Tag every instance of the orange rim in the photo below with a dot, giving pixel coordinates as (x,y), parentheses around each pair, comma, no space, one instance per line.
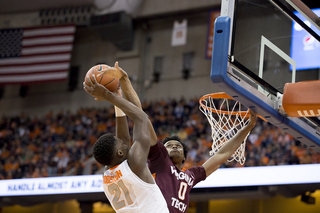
(222,95)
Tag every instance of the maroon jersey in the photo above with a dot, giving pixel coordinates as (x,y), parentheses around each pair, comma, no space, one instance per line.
(174,183)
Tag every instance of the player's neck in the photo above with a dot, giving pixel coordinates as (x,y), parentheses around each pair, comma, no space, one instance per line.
(115,163)
(179,165)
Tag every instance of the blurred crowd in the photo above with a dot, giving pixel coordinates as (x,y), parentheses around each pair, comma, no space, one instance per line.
(32,147)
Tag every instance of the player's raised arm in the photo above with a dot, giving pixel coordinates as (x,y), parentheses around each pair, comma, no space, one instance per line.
(122,130)
(138,152)
(214,162)
(129,93)
(112,84)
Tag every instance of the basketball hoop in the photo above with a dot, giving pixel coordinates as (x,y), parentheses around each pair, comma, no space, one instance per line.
(226,117)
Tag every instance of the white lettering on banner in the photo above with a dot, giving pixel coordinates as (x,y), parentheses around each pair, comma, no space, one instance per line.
(54,185)
(79,184)
(182,176)
(305,113)
(21,187)
(178,205)
(97,183)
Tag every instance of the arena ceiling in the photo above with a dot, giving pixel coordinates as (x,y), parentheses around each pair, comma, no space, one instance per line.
(20,6)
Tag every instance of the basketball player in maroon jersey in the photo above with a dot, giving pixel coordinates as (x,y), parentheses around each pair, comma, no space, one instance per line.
(166,158)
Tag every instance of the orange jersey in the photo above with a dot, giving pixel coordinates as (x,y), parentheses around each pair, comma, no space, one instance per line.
(128,193)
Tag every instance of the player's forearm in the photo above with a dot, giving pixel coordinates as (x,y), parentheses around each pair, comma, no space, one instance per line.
(233,144)
(132,111)
(129,92)
(133,97)
(213,163)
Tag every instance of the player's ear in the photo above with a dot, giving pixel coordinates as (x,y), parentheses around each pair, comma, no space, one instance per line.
(120,153)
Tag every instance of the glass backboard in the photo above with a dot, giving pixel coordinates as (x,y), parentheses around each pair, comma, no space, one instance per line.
(257,50)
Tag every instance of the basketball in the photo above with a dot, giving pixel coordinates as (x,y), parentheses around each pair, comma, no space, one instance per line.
(108,82)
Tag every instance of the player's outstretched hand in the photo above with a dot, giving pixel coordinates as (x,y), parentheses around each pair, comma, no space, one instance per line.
(95,89)
(115,71)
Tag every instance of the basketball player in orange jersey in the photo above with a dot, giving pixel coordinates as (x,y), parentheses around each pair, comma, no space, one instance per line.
(127,181)
(166,158)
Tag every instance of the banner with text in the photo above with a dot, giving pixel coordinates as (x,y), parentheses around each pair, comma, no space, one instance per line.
(223,177)
(52,185)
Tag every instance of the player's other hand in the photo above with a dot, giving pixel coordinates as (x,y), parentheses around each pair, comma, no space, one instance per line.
(119,92)
(115,71)
(253,118)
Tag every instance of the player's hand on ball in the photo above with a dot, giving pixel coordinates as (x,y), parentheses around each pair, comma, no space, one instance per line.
(115,72)
(95,89)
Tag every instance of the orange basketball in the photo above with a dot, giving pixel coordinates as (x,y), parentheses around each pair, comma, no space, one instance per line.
(109,82)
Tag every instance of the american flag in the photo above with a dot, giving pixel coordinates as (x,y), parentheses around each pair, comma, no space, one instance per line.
(39,54)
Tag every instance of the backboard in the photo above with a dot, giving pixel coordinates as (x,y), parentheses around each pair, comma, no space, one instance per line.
(261,45)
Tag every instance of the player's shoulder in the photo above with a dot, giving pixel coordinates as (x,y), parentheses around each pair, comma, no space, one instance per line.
(194,169)
(158,147)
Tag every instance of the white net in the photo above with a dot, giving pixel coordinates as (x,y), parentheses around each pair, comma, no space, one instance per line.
(226,117)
